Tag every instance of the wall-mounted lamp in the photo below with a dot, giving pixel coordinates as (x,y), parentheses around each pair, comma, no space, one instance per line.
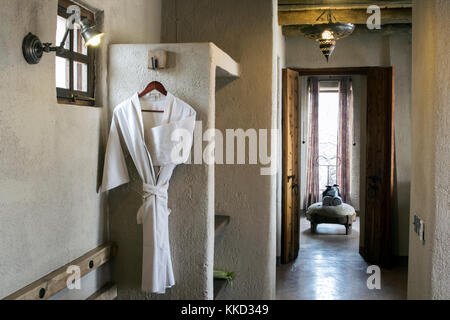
(33,49)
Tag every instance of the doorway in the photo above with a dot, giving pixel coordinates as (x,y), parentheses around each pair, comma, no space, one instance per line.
(376,177)
(376,245)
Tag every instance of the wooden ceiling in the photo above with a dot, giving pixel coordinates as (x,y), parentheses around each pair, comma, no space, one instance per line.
(292,13)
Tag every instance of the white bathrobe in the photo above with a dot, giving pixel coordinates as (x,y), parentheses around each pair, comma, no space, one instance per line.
(150,146)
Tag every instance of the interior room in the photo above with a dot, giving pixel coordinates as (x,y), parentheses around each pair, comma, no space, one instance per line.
(224,150)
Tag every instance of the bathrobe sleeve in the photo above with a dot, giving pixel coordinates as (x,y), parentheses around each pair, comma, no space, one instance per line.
(115,171)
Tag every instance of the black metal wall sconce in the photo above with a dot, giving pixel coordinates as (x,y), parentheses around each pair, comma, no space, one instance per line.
(33,49)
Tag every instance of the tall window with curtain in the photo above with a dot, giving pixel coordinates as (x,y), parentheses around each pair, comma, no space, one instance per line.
(312,177)
(330,123)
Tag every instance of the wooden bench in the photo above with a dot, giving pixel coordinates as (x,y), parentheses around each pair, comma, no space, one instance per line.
(343,214)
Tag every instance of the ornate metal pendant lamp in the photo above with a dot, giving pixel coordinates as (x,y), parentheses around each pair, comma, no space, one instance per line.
(327,33)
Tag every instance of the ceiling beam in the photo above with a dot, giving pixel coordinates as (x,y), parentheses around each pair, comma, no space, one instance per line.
(355,16)
(337,3)
(294,31)
(337,6)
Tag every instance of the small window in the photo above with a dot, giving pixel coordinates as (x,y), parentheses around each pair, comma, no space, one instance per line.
(75,67)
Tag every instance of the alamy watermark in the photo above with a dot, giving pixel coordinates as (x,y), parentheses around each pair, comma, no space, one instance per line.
(229,147)
(374,21)
(374,280)
(73,281)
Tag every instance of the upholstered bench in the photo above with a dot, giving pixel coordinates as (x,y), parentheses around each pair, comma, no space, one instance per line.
(343,214)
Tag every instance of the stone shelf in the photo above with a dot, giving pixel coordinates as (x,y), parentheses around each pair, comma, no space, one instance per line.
(219,285)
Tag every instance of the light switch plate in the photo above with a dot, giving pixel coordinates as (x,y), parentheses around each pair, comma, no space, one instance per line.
(419,227)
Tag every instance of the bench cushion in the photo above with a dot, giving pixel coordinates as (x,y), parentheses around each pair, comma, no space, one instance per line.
(342,210)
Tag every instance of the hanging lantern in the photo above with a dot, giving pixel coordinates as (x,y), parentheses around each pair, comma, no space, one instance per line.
(327,33)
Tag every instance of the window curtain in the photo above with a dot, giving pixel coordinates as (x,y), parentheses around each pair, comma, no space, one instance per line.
(312,179)
(343,148)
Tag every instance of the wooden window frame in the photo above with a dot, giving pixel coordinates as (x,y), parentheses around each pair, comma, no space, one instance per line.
(71,96)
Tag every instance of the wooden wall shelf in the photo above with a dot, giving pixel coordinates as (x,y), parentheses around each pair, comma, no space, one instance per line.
(219,285)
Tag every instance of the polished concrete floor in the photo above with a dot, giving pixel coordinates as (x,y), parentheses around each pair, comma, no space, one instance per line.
(329,267)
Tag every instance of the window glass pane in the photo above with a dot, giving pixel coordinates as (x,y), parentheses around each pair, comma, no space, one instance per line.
(78,41)
(323,178)
(328,138)
(60,30)
(80,76)
(62,73)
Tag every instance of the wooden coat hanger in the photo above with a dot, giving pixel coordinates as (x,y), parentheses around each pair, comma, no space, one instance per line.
(154,85)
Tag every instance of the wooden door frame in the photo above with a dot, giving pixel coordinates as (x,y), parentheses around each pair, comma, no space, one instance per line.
(290,218)
(379,158)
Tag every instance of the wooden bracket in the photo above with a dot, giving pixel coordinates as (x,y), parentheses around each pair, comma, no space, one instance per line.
(56,281)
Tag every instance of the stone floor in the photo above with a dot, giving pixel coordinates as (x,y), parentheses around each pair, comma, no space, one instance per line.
(329,267)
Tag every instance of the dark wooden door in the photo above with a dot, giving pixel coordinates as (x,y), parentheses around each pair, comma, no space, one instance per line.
(290,221)
(379,187)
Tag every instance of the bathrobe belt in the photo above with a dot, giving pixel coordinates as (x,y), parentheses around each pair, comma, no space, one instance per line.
(153,196)
(159,191)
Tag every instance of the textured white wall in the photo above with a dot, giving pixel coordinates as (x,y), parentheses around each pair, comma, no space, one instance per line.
(358,50)
(371,48)
(280,52)
(50,211)
(245,30)
(401,60)
(429,276)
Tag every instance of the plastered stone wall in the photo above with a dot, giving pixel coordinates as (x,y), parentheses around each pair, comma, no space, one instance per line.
(280,53)
(388,47)
(190,76)
(429,263)
(50,154)
(244,30)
